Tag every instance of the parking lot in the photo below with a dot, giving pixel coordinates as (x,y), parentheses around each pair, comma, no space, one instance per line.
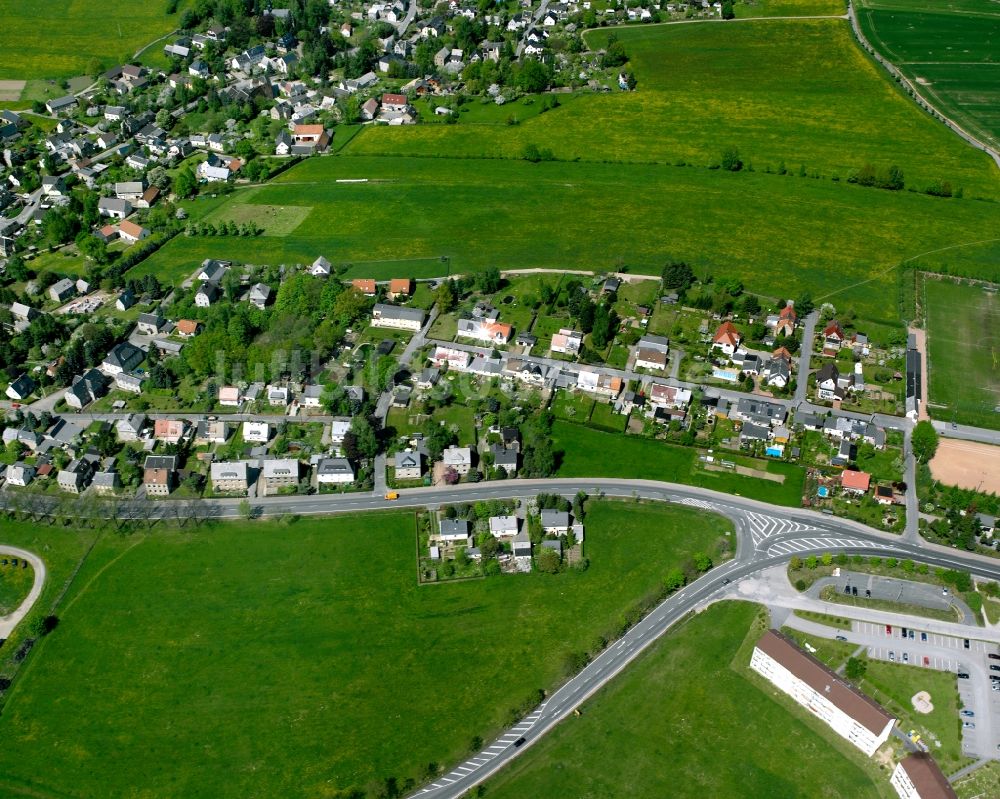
(946,653)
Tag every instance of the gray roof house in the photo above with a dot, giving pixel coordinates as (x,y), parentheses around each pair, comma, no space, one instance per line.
(555,521)
(453,530)
(398,317)
(20,388)
(260,295)
(123,357)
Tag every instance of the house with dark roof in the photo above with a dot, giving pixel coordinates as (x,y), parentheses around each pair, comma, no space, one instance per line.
(918,776)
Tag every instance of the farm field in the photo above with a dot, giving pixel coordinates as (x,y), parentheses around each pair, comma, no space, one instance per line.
(963,343)
(788,8)
(704,87)
(778,234)
(61,38)
(593,453)
(302,658)
(666,728)
(949,48)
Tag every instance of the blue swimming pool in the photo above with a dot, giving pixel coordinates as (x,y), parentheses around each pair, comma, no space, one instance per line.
(823,491)
(775,452)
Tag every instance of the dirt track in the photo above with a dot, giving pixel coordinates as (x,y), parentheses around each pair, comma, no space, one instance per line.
(967,464)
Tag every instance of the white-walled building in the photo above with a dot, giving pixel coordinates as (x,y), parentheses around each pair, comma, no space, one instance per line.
(850,713)
(256,432)
(918,777)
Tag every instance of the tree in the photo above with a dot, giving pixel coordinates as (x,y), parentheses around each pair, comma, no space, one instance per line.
(731,159)
(702,562)
(447,296)
(488,281)
(727,10)
(185,184)
(924,440)
(855,669)
(365,439)
(674,580)
(804,304)
(678,276)
(547,561)
(246,509)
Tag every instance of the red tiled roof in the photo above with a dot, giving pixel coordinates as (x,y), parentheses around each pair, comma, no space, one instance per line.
(308,130)
(365,285)
(727,334)
(858,481)
(130,228)
(400,285)
(394,99)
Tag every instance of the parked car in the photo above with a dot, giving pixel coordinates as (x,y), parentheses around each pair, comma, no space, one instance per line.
(968,713)
(906,657)
(888,629)
(968,725)
(902,632)
(912,634)
(966,644)
(892,657)
(993,656)
(841,637)
(923,636)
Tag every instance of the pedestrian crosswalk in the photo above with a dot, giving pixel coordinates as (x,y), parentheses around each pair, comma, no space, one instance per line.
(488,754)
(763,527)
(820,544)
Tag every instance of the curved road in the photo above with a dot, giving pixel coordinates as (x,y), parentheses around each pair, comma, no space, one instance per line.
(8,623)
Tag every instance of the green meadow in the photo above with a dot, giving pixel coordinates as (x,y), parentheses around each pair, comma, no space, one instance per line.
(950,48)
(62,38)
(963,344)
(301,659)
(778,234)
(688,720)
(704,87)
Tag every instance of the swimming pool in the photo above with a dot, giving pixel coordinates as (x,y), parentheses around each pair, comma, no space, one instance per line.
(823,491)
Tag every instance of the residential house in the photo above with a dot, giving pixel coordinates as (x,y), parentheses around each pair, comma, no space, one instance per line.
(555,522)
(207,294)
(131,232)
(187,328)
(278,395)
(601,383)
(216,169)
(727,338)
(230,396)
(651,353)
(370,109)
(855,482)
(783,323)
(149,324)
(408,465)
(756,411)
(504,458)
(884,495)
(256,432)
(22,312)
(20,474)
(504,526)
(312,396)
(397,317)
(521,545)
(131,427)
(662,396)
(86,388)
(455,531)
(76,477)
(129,382)
(62,290)
(365,285)
(848,712)
(21,388)
(209,432)
(260,295)
(320,267)
(453,358)
(283,143)
(428,378)
(107,480)
(159,474)
(399,287)
(213,271)
(316,136)
(918,776)
(61,105)
(125,300)
(833,337)
(457,458)
(229,477)
(169,431)
(114,208)
(567,342)
(776,372)
(334,471)
(485,330)
(130,190)
(279,474)
(123,357)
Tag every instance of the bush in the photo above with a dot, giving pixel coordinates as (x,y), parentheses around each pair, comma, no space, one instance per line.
(800,585)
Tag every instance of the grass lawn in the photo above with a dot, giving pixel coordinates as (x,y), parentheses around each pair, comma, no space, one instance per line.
(60,38)
(842,243)
(276,220)
(949,50)
(725,85)
(603,415)
(679,723)
(574,406)
(593,453)
(297,659)
(983,782)
(787,8)
(15,582)
(892,685)
(824,618)
(963,343)
(832,652)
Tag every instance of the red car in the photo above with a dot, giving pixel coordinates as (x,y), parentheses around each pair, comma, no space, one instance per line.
(888,629)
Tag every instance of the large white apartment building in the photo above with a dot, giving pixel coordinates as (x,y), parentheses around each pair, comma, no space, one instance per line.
(918,777)
(850,713)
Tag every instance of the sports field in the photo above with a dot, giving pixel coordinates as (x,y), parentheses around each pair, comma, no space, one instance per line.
(949,48)
(703,87)
(62,38)
(686,722)
(963,342)
(298,660)
(778,234)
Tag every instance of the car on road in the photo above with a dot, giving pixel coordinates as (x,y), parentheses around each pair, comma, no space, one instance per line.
(993,656)
(944,592)
(968,725)
(963,675)
(967,713)
(923,636)
(966,643)
(841,637)
(892,657)
(518,742)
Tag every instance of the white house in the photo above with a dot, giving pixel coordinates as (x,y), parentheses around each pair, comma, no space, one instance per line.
(230,396)
(20,474)
(503,526)
(277,395)
(847,711)
(397,317)
(556,522)
(229,477)
(453,530)
(256,432)
(457,458)
(567,342)
(919,777)
(408,465)
(334,471)
(454,358)
(320,267)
